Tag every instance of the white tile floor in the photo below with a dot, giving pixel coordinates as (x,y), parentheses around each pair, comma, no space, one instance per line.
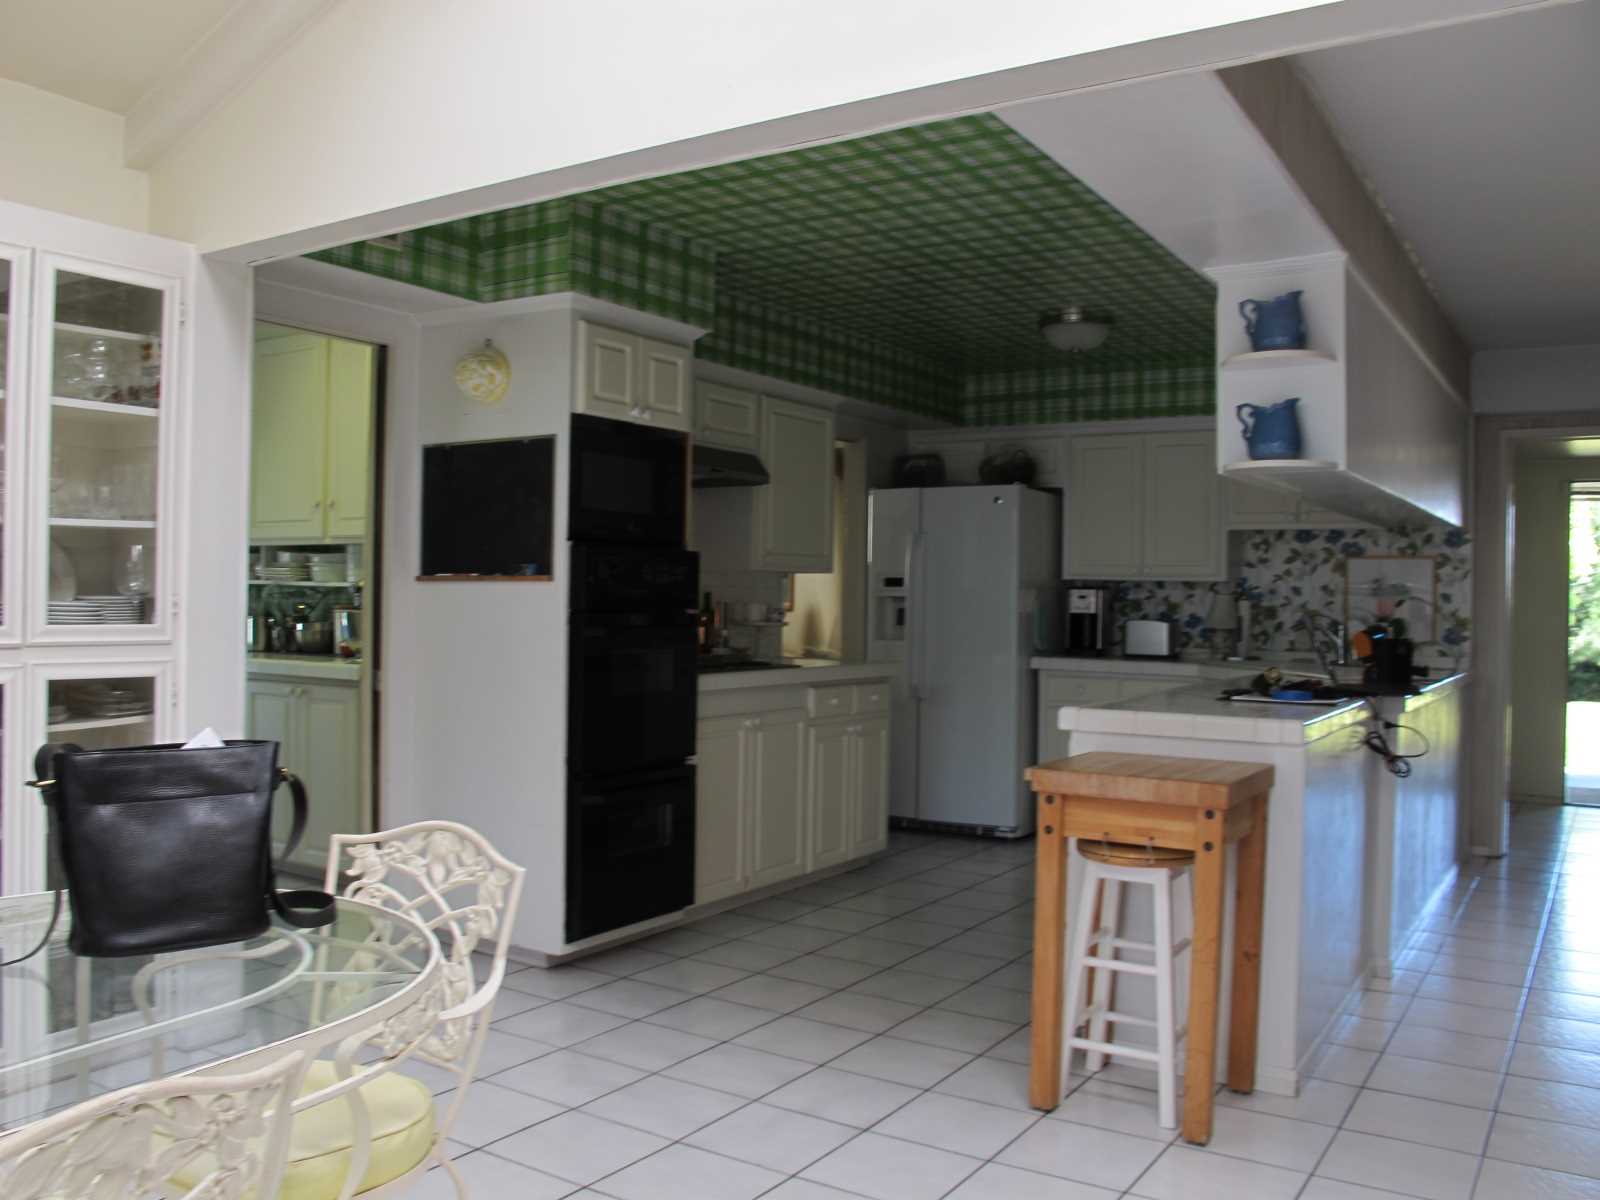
(866,1037)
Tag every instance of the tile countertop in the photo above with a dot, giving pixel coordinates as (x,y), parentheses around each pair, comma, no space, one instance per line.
(1197,712)
(306,666)
(1190,668)
(812,672)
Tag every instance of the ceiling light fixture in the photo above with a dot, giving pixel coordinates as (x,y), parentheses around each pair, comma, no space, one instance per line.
(1071,329)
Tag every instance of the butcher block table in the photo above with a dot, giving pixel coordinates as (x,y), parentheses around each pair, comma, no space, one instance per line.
(1196,804)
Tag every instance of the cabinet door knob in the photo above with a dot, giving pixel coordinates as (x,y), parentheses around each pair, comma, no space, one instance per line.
(332,503)
(751,722)
(315,505)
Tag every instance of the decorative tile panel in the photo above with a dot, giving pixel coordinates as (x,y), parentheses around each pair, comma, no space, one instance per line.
(1286,570)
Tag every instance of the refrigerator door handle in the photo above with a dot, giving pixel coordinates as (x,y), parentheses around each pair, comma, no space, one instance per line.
(914,599)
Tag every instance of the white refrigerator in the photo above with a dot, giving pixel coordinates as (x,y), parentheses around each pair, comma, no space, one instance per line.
(964,587)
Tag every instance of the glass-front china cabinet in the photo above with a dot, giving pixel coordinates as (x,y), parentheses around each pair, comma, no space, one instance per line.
(89,373)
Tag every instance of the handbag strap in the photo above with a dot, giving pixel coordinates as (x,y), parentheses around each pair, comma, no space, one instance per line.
(304,908)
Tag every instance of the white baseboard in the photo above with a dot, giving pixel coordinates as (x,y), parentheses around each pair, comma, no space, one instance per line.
(1317,1043)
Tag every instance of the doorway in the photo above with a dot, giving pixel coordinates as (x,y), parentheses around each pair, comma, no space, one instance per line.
(1582,760)
(312,645)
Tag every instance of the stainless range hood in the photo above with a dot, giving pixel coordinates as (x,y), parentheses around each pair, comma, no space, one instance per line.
(717,467)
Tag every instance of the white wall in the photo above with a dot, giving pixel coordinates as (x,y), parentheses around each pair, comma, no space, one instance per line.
(1542,379)
(489,660)
(67,157)
(387,103)
(216,499)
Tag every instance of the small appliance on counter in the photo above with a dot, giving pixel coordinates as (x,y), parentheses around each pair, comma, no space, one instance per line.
(347,632)
(1089,615)
(1149,639)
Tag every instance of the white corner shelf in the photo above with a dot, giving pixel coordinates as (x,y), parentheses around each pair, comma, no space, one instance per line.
(95,331)
(97,523)
(1266,360)
(99,723)
(1280,466)
(98,409)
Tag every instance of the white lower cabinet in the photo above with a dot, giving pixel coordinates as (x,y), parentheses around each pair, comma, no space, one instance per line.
(828,751)
(777,801)
(779,794)
(318,728)
(720,802)
(750,814)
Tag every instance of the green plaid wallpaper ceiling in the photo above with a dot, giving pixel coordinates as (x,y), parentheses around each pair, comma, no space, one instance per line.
(907,268)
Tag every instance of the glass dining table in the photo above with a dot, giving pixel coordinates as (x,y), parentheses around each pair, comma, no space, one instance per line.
(73,1027)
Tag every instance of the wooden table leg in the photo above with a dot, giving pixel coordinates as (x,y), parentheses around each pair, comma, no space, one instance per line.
(1049,937)
(1245,1004)
(1200,1064)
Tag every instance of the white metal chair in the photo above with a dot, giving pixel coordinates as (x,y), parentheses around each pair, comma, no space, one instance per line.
(1096,952)
(230,1132)
(377,1126)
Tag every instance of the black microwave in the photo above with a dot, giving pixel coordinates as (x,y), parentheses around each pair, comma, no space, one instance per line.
(629,483)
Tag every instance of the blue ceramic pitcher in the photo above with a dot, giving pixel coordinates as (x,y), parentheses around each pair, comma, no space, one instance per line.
(1271,430)
(1274,324)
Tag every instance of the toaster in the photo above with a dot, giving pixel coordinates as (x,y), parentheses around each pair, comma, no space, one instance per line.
(1149,639)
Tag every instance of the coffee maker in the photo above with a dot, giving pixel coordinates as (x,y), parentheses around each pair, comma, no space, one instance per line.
(1089,620)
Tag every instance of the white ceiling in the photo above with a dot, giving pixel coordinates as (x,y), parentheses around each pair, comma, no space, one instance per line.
(107,53)
(1483,140)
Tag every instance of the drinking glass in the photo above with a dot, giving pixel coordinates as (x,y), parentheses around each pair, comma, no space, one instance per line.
(133,571)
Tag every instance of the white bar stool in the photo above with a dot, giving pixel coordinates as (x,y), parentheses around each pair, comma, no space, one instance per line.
(1093,951)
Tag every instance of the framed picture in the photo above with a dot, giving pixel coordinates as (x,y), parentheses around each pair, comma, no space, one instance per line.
(1380,586)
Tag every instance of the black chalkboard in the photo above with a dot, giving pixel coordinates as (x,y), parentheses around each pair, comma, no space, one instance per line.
(487,507)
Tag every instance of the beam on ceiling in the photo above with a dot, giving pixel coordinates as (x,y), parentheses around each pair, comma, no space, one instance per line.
(226,59)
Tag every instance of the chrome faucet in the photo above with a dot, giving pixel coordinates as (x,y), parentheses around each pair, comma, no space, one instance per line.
(1335,630)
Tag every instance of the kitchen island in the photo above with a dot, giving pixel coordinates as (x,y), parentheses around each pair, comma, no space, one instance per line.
(1346,841)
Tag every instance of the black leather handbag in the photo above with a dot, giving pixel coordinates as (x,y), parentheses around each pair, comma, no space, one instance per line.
(167,849)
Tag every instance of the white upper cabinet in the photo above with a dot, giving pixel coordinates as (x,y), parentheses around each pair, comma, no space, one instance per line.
(1143,506)
(632,378)
(1105,497)
(350,415)
(1182,525)
(311,438)
(1252,507)
(727,416)
(794,512)
(102,400)
(288,443)
(14,261)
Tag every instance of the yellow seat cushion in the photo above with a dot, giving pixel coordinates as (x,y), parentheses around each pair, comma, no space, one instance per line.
(322,1137)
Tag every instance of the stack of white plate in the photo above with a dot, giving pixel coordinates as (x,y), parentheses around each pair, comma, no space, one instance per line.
(327,568)
(119,610)
(82,611)
(285,572)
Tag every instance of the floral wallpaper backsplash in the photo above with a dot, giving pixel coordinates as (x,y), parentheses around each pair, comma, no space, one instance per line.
(1286,570)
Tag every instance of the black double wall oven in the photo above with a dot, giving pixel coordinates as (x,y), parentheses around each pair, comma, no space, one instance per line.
(631,672)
